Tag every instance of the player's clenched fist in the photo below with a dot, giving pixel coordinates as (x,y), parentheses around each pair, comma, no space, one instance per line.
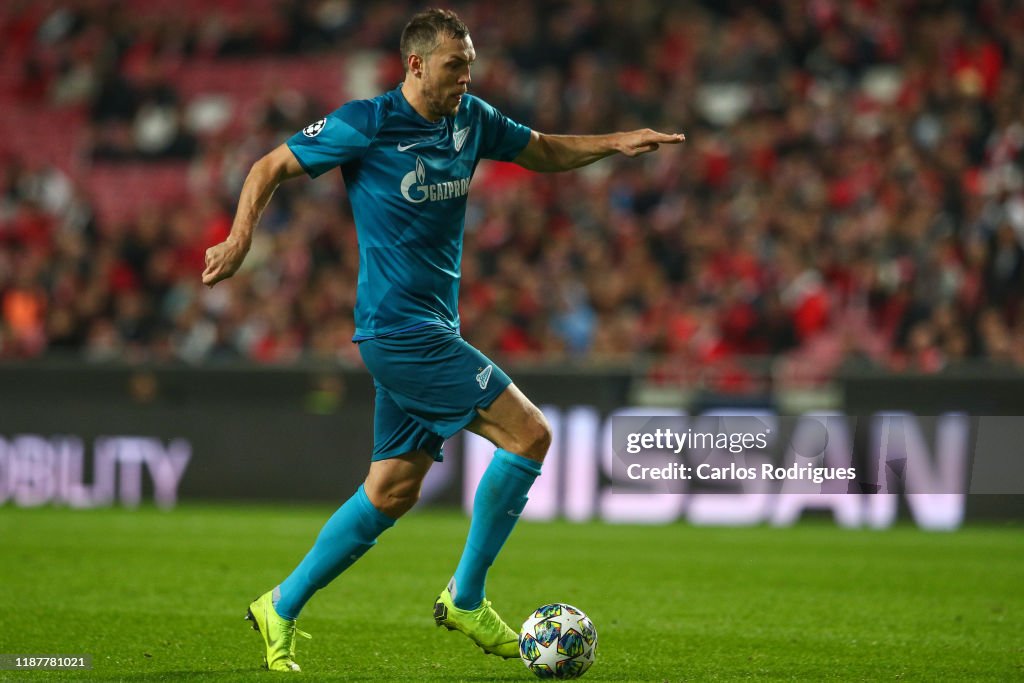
(222,260)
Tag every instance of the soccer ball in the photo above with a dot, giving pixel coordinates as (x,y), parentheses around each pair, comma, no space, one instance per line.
(558,641)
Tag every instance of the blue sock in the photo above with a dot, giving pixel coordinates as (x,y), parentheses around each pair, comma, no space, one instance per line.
(500,498)
(349,533)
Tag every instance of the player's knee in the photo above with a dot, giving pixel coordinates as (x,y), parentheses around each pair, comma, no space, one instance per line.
(536,438)
(395,499)
(398,505)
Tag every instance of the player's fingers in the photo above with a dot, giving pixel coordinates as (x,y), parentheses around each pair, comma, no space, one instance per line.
(210,274)
(645,148)
(670,138)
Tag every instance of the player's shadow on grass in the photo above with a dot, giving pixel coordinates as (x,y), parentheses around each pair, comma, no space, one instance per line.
(240,674)
(249,674)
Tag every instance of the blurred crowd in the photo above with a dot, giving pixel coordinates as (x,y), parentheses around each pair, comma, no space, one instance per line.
(851,190)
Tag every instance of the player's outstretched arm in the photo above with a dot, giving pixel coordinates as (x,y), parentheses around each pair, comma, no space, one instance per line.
(222,260)
(549,153)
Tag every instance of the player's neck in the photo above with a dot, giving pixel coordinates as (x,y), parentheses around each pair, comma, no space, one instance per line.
(416,100)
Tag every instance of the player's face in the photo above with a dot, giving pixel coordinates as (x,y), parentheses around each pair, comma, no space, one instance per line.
(446,75)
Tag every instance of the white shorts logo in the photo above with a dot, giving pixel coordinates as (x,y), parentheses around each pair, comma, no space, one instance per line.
(313,129)
(484,377)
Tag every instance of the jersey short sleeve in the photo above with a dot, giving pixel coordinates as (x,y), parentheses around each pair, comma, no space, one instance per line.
(503,139)
(337,139)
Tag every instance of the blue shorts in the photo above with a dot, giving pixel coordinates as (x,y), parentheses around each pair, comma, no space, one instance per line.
(429,384)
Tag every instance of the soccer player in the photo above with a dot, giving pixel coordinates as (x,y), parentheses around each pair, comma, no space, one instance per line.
(407,158)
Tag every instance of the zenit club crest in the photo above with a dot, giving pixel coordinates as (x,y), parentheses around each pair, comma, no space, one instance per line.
(484,377)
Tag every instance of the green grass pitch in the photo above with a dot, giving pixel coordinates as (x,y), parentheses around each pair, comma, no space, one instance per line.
(157,595)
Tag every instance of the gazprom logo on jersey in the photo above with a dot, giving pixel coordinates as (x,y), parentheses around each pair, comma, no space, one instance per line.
(415,188)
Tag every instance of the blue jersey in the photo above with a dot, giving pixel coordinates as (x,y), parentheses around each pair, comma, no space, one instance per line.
(407,181)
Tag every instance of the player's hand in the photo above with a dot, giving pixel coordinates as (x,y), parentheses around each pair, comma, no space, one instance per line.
(637,142)
(224,259)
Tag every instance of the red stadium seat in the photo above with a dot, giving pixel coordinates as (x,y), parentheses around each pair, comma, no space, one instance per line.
(120,191)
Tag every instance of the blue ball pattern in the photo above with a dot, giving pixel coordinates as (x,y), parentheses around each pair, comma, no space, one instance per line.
(558,641)
(547,632)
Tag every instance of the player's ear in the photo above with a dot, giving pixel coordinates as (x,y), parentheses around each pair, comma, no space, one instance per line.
(415,65)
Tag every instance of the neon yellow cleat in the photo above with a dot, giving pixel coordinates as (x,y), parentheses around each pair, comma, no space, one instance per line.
(483,626)
(278,634)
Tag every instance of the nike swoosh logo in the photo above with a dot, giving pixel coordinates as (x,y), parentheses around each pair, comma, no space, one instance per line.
(271,642)
(513,513)
(402,148)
